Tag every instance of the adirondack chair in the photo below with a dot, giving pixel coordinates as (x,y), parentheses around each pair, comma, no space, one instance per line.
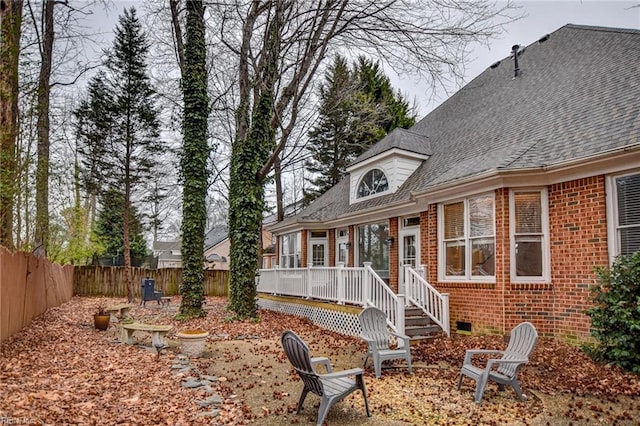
(503,370)
(331,387)
(376,333)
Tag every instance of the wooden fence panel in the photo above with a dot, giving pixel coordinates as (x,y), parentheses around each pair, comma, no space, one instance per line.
(29,285)
(109,281)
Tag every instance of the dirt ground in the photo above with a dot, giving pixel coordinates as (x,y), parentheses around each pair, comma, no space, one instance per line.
(60,370)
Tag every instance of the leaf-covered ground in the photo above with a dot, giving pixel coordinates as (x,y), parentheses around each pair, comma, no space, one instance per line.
(60,370)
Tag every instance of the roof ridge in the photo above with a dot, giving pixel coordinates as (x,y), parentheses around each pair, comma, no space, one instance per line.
(604,29)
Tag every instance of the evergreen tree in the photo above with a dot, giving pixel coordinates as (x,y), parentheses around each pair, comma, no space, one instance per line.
(358,108)
(329,139)
(109,226)
(121,125)
(194,162)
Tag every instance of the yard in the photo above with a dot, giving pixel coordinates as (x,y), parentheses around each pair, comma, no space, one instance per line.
(60,370)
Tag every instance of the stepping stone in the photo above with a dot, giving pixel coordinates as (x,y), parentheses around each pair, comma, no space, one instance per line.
(191,383)
(211,400)
(212,413)
(210,378)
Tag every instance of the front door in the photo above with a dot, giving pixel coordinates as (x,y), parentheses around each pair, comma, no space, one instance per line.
(409,252)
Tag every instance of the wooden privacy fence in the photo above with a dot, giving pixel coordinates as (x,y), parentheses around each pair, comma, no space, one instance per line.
(29,285)
(109,281)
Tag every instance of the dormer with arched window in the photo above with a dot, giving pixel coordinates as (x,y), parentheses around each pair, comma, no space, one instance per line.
(386,166)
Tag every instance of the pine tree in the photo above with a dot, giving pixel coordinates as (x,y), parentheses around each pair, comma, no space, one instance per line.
(108,229)
(358,108)
(122,130)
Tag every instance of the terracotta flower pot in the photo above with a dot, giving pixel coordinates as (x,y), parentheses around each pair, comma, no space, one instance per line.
(101,322)
(193,341)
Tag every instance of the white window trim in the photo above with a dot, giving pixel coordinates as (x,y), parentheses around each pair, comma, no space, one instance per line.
(341,240)
(377,194)
(613,242)
(546,254)
(318,240)
(468,253)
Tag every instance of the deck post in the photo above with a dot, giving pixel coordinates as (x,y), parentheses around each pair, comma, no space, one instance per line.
(366,284)
(276,273)
(400,318)
(309,278)
(340,283)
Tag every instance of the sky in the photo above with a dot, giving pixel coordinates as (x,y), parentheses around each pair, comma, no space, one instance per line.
(542,17)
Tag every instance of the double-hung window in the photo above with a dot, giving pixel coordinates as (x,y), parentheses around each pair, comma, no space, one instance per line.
(624,211)
(290,246)
(529,235)
(468,238)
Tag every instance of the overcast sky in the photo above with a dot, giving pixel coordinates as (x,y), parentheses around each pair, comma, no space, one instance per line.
(543,17)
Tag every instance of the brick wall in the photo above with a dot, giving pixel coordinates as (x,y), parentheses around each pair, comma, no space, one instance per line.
(578,242)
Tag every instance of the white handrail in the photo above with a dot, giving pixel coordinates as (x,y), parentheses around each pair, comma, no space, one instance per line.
(381,296)
(425,296)
(354,285)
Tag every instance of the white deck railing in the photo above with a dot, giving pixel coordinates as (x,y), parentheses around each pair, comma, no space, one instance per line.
(419,292)
(352,285)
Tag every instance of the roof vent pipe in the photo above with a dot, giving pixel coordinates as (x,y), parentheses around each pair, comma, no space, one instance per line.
(516,69)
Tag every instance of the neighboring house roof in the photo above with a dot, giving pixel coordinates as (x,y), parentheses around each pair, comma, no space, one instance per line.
(577,97)
(168,250)
(215,236)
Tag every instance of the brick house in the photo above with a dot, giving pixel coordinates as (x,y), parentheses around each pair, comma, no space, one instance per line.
(508,194)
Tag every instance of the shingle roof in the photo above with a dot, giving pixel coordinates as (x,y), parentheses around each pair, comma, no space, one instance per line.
(216,235)
(399,138)
(578,95)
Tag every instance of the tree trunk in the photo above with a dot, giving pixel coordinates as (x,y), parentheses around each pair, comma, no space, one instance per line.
(42,169)
(10,30)
(195,155)
(246,190)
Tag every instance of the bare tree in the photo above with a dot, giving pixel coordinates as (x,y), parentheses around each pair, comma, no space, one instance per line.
(419,36)
(10,31)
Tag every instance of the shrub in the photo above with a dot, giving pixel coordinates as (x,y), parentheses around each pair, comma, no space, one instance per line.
(615,314)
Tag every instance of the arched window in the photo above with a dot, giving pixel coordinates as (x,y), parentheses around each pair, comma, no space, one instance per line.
(374,182)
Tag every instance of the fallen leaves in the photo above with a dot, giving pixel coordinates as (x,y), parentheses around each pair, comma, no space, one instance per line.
(59,370)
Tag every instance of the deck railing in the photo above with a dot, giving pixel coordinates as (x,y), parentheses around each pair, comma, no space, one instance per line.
(343,285)
(419,292)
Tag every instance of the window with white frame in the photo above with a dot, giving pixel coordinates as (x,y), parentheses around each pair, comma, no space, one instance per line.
(373,246)
(290,246)
(468,238)
(529,235)
(626,214)
(373,182)
(342,246)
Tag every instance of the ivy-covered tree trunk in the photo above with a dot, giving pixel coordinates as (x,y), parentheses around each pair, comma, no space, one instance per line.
(11,18)
(246,189)
(195,153)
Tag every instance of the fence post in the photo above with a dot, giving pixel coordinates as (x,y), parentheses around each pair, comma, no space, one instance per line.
(340,282)
(276,279)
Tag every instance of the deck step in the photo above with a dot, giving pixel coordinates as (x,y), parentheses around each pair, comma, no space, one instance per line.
(418,325)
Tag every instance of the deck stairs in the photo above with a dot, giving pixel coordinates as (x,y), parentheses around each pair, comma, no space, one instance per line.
(418,326)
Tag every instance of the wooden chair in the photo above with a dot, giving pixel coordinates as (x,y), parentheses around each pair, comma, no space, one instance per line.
(331,387)
(376,333)
(503,370)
